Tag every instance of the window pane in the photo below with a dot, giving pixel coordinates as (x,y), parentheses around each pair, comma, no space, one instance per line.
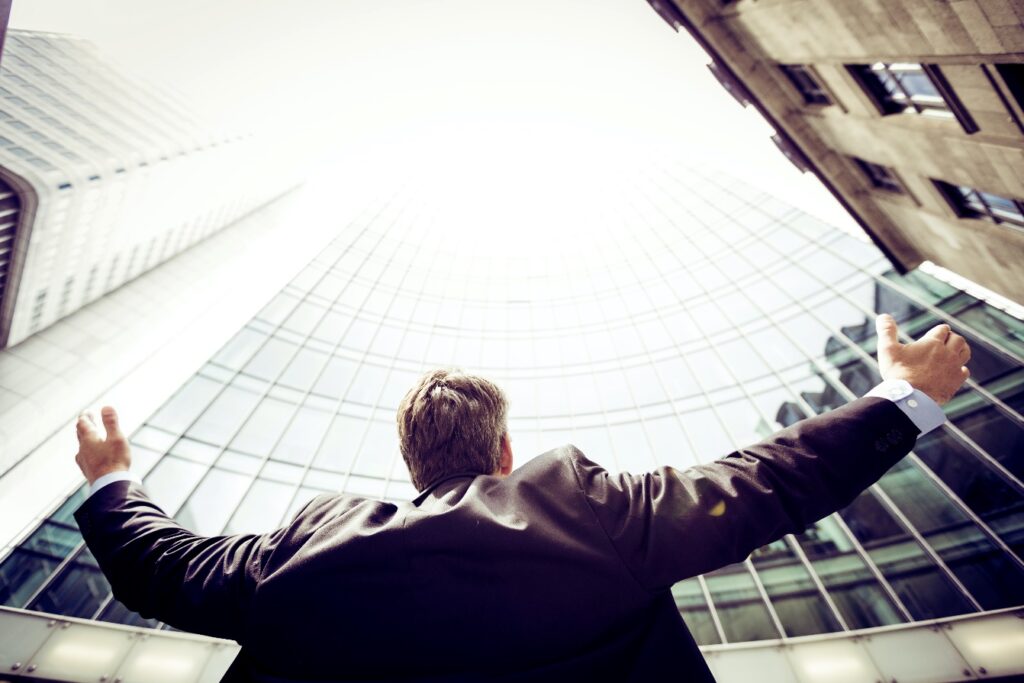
(694,608)
(923,588)
(208,509)
(857,594)
(299,443)
(179,412)
(224,416)
(262,509)
(740,608)
(25,569)
(304,369)
(980,488)
(341,443)
(264,427)
(271,359)
(171,480)
(78,591)
(987,573)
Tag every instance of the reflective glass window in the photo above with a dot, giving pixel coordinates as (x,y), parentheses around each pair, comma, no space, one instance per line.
(921,585)
(186,405)
(77,591)
(262,509)
(694,608)
(799,605)
(858,595)
(299,443)
(208,508)
(27,567)
(991,577)
(741,610)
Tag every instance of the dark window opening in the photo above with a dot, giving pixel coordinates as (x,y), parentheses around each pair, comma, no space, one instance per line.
(969,202)
(882,177)
(1013,77)
(913,88)
(804,81)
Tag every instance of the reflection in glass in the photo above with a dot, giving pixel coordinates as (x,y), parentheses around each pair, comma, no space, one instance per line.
(690,601)
(743,614)
(77,591)
(925,590)
(845,575)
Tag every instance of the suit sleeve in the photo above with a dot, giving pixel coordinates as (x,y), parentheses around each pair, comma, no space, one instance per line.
(163,571)
(671,524)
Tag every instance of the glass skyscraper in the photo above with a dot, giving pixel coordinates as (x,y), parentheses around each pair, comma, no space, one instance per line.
(675,317)
(103,177)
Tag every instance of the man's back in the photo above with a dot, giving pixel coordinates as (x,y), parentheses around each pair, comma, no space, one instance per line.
(481,575)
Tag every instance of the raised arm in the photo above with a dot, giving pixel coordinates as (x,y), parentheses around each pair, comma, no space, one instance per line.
(668,525)
(156,567)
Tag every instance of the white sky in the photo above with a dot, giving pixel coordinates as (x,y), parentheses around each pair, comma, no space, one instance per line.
(354,77)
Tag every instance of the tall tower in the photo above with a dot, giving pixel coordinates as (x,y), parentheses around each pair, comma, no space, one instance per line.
(102,177)
(666,317)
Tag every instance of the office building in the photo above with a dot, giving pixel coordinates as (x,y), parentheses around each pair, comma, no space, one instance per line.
(103,176)
(670,318)
(910,111)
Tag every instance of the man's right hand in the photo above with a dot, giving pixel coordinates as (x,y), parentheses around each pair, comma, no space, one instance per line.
(934,364)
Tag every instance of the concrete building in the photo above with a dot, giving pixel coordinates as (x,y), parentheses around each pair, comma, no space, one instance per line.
(102,177)
(680,316)
(910,111)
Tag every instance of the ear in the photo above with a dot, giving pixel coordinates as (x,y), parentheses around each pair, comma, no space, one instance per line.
(505,463)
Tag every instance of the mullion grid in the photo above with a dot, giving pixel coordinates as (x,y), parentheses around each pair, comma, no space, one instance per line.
(80,547)
(789,539)
(773,616)
(908,99)
(979,452)
(982,455)
(977,337)
(641,419)
(397,461)
(375,407)
(951,495)
(850,537)
(973,196)
(875,488)
(746,563)
(269,386)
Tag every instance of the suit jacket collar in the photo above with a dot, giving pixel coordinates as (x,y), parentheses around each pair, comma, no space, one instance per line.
(418,500)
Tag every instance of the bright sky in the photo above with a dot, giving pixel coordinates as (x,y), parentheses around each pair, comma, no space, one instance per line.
(518,82)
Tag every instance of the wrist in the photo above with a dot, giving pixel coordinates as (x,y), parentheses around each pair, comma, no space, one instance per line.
(93,475)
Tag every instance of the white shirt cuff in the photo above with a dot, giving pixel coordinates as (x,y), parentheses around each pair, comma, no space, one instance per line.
(110,478)
(918,406)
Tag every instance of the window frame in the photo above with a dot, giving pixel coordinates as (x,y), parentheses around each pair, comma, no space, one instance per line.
(818,96)
(969,202)
(948,104)
(880,176)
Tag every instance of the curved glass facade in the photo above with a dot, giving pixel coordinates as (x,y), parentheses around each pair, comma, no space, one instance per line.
(677,318)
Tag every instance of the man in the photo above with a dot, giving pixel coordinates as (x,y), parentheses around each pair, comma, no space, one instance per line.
(555,571)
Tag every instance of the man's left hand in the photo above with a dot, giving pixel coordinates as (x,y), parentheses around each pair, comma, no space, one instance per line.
(98,454)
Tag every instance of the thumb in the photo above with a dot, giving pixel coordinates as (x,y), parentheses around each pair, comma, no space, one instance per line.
(888,336)
(110,423)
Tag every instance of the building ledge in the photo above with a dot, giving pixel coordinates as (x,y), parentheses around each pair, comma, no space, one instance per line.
(983,646)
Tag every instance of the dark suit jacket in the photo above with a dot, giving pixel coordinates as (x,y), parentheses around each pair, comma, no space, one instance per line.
(560,571)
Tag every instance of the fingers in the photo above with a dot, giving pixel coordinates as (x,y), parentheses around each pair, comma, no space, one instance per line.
(965,373)
(86,427)
(110,423)
(938,333)
(888,334)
